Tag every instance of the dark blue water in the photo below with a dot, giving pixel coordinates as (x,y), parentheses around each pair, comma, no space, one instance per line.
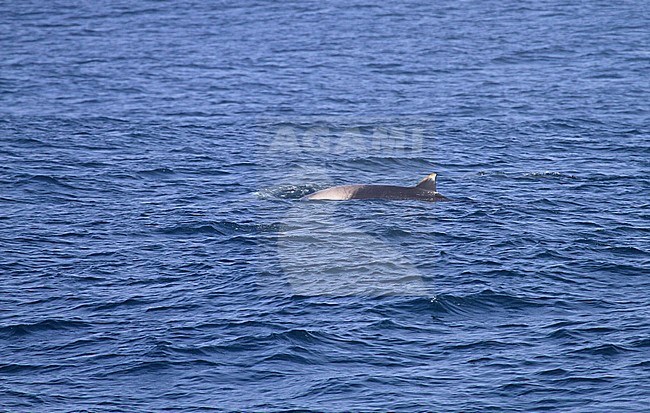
(155,256)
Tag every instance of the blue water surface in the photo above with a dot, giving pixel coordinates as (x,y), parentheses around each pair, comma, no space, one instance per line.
(155,254)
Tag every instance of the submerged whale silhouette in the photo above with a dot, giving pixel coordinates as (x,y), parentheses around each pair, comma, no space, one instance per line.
(423,191)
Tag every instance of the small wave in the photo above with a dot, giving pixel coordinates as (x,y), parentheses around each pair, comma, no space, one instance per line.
(548,175)
(597,177)
(32,142)
(628,251)
(157,172)
(528,176)
(483,344)
(250,228)
(604,350)
(585,380)
(481,302)
(46,179)
(291,357)
(299,336)
(490,173)
(296,338)
(220,228)
(562,333)
(22,329)
(142,367)
(172,307)
(25,395)
(553,372)
(642,343)
(20,368)
(193,230)
(400,160)
(120,303)
(6,152)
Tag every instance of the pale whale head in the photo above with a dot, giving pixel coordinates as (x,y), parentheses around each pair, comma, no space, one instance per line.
(425,190)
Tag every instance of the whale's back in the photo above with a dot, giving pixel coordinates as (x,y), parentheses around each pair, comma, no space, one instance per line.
(345,192)
(425,190)
(336,193)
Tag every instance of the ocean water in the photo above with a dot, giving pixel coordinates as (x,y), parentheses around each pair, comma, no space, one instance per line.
(155,254)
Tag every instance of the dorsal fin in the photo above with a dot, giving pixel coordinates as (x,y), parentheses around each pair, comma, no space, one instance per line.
(428,183)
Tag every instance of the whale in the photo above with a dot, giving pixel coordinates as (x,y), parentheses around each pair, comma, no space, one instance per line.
(425,190)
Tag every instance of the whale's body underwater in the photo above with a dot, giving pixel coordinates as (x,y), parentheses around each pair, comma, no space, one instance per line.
(423,191)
